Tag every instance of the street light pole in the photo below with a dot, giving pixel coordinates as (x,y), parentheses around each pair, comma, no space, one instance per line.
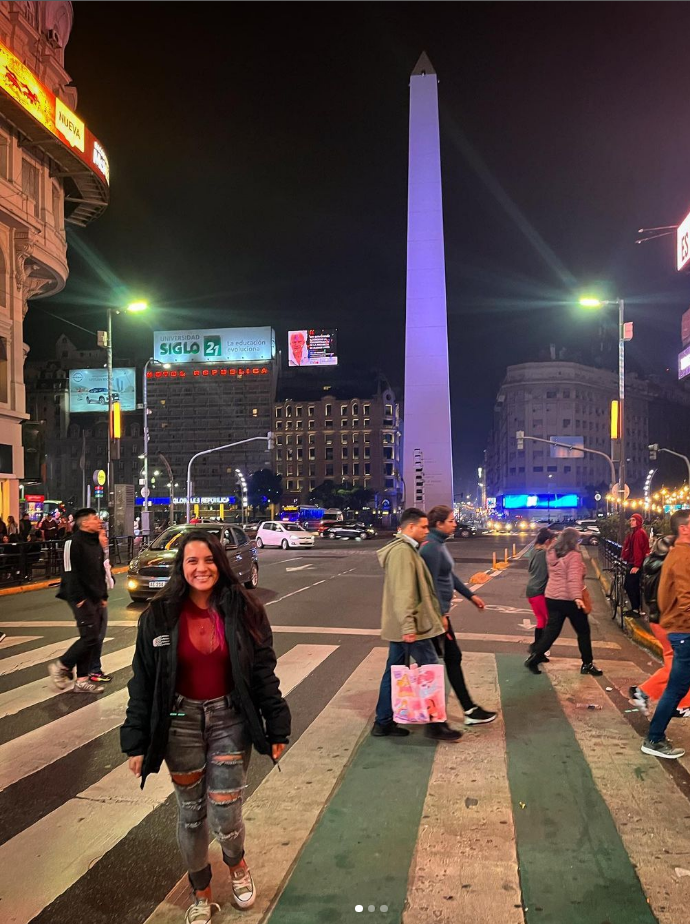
(621,417)
(172,488)
(205,452)
(145,516)
(678,455)
(111,486)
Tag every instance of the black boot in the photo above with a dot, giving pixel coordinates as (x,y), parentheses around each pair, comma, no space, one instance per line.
(532,664)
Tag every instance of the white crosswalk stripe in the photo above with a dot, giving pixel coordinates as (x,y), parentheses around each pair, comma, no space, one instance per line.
(13,640)
(87,826)
(36,656)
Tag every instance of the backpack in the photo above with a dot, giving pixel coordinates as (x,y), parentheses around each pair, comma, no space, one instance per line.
(651,575)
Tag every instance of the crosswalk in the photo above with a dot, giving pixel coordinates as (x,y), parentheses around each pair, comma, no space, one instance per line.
(429,833)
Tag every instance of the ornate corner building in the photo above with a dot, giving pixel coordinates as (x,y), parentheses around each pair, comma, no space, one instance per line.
(52,171)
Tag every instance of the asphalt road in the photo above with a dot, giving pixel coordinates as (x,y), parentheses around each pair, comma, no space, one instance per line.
(67,801)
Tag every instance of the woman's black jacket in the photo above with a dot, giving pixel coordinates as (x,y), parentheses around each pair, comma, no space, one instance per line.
(256,692)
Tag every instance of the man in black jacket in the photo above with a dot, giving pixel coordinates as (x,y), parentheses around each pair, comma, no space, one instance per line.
(83,586)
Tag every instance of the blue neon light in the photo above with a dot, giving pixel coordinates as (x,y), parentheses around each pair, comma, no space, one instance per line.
(522,501)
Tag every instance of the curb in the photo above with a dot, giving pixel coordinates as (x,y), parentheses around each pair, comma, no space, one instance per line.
(634,629)
(643,638)
(44,585)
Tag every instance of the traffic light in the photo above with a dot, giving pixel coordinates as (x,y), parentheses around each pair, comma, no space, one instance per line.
(520,436)
(653,450)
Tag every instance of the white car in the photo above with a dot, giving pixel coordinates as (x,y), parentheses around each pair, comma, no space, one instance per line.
(283,535)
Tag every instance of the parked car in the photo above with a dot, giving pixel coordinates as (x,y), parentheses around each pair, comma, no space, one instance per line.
(151,568)
(349,530)
(283,535)
(465,530)
(591,535)
(100,396)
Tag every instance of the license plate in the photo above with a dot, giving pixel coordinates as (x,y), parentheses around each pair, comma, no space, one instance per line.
(157,583)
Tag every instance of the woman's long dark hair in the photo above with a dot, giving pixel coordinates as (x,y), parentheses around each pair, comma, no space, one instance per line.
(177,589)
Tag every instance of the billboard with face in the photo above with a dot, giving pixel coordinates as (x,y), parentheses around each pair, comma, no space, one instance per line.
(311,347)
(88,390)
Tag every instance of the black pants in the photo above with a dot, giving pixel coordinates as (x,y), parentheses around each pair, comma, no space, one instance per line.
(559,611)
(89,617)
(447,647)
(632,587)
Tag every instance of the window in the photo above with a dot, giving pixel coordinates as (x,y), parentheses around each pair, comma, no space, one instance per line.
(551,468)
(288,411)
(255,412)
(389,410)
(355,468)
(57,204)
(329,454)
(344,453)
(567,469)
(521,470)
(288,425)
(355,452)
(390,482)
(367,468)
(4,371)
(312,453)
(566,422)
(366,409)
(310,411)
(538,468)
(511,471)
(367,452)
(298,424)
(329,471)
(30,184)
(328,410)
(566,392)
(328,424)
(279,455)
(343,410)
(4,157)
(279,412)
(279,424)
(346,470)
(298,410)
(550,394)
(311,425)
(355,408)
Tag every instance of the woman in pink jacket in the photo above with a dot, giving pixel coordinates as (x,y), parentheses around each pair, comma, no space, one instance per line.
(564,601)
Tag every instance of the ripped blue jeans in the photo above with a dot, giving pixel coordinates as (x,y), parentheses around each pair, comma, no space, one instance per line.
(208,756)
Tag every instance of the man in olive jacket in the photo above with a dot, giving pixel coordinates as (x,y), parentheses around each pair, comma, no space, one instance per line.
(410,618)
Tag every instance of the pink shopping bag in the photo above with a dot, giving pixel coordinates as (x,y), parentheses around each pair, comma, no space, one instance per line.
(418,694)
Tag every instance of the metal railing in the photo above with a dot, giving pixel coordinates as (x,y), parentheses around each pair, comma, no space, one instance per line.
(611,562)
(24,562)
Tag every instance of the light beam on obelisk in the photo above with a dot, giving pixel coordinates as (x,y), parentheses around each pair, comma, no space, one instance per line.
(427,446)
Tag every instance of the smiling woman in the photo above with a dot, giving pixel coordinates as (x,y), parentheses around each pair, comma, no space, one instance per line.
(213,637)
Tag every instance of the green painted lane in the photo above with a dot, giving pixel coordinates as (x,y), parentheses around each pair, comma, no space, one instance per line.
(573,866)
(361,849)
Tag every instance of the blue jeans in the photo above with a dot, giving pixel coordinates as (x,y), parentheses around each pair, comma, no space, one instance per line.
(421,652)
(96,666)
(676,688)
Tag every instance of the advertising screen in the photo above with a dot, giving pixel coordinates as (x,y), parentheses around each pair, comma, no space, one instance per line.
(214,345)
(684,363)
(312,348)
(562,452)
(88,390)
(551,501)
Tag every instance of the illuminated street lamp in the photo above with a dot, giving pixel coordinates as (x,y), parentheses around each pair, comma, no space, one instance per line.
(595,303)
(133,307)
(146,514)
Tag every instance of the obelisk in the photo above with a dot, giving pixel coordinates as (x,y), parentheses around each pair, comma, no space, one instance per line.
(427,443)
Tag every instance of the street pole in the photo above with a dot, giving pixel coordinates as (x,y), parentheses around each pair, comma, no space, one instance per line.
(111,488)
(678,455)
(145,516)
(205,452)
(171,480)
(621,412)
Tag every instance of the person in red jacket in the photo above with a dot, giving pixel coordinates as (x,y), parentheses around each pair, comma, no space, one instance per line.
(635,550)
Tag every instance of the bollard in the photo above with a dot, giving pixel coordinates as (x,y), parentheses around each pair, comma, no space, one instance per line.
(514,550)
(494,561)
(505,557)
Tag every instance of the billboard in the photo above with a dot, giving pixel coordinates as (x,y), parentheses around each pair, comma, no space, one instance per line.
(22,85)
(214,345)
(562,452)
(549,501)
(684,363)
(683,243)
(88,390)
(685,328)
(312,348)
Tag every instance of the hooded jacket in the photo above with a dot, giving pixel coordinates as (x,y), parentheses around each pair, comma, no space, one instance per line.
(635,547)
(410,605)
(440,564)
(256,692)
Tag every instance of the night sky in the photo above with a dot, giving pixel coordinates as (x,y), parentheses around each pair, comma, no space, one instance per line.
(258,156)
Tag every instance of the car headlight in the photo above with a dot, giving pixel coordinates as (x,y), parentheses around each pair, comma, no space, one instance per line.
(134,566)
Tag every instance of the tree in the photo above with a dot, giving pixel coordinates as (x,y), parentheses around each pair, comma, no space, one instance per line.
(341,495)
(327,494)
(264,487)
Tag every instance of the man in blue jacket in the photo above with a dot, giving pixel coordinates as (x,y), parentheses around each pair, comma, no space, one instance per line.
(440,563)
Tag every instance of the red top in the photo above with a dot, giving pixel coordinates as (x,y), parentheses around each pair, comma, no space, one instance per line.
(635,548)
(203,660)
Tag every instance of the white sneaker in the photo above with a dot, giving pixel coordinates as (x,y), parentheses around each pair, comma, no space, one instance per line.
(201,911)
(242,886)
(61,677)
(86,686)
